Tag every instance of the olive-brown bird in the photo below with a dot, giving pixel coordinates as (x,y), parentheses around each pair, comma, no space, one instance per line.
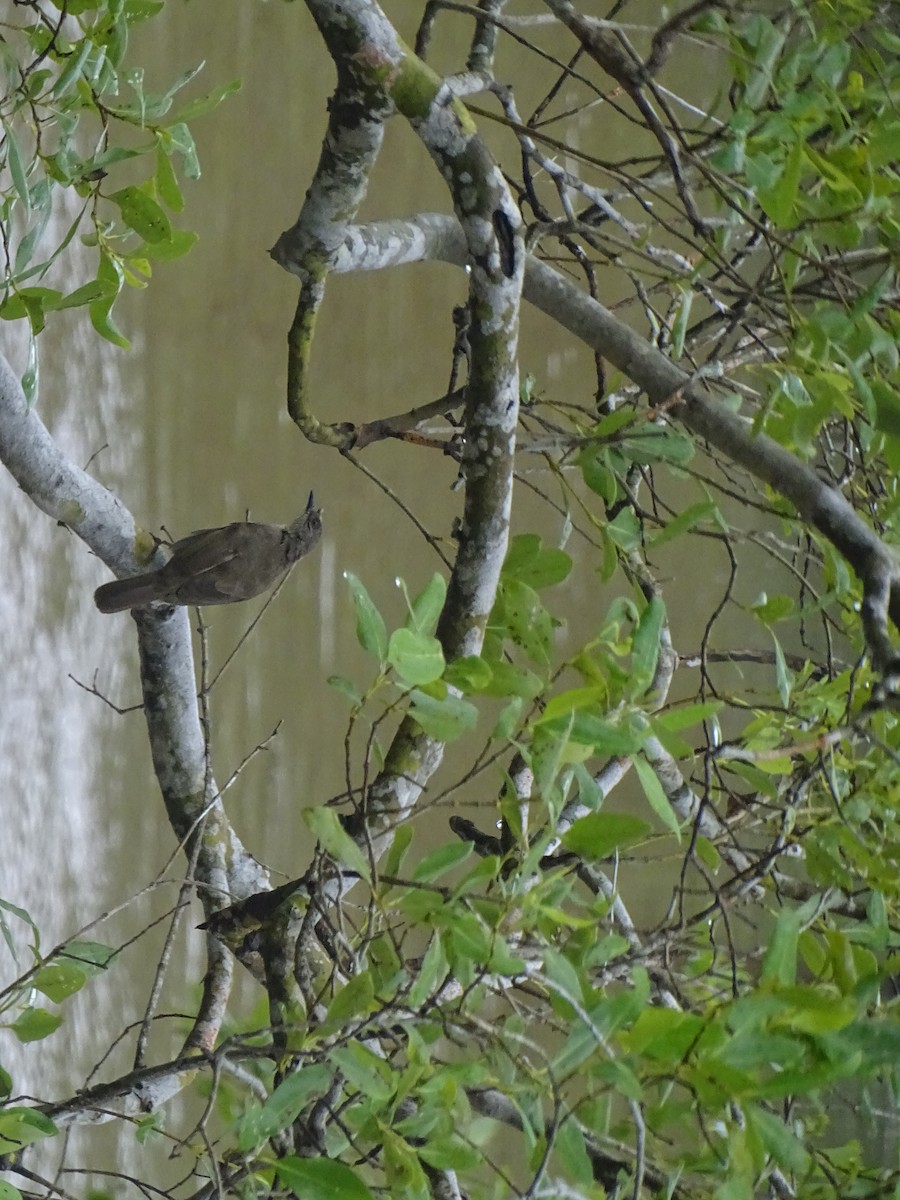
(219,566)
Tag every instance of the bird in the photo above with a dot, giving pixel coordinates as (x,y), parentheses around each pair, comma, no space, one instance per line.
(219,566)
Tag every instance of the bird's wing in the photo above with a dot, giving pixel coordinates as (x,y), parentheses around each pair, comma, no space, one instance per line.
(205,549)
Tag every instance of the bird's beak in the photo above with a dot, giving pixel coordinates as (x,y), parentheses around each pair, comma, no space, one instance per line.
(310,504)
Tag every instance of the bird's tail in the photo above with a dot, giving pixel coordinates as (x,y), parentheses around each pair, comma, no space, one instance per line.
(127,593)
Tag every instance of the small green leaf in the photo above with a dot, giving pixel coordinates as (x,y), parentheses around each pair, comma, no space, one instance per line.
(508,679)
(573,700)
(17,169)
(780,960)
(364,1070)
(430,975)
(887,408)
(439,861)
(166,181)
(57,980)
(416,657)
(34,1024)
(428,605)
(90,957)
(518,610)
(444,720)
(141,213)
(294,1092)
(657,798)
(178,245)
(345,687)
(682,716)
(72,70)
(326,826)
(682,319)
(400,841)
(182,141)
(355,999)
(625,530)
(321,1179)
(470,674)
(451,1153)
(206,104)
(784,677)
(600,834)
(645,645)
(21,1126)
(111,276)
(778,202)
(371,630)
(685,521)
(528,562)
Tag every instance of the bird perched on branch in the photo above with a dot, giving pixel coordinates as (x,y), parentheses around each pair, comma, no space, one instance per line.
(219,566)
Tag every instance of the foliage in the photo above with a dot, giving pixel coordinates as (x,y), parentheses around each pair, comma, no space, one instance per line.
(487,1018)
(73,114)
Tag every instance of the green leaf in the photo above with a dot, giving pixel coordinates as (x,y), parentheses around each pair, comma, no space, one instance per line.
(17,169)
(430,975)
(784,677)
(178,245)
(141,213)
(779,201)
(778,1140)
(770,609)
(355,999)
(657,798)
(400,840)
(205,104)
(371,630)
(326,826)
(182,141)
(21,1126)
(364,1070)
(508,719)
(284,1105)
(71,73)
(345,687)
(8,1192)
(600,834)
(574,700)
(470,674)
(645,645)
(416,657)
(57,980)
(780,961)
(111,276)
(444,720)
(508,679)
(428,605)
(94,290)
(685,521)
(625,530)
(34,1024)
(441,860)
(887,408)
(321,1179)
(683,716)
(531,564)
(519,611)
(682,319)
(572,1156)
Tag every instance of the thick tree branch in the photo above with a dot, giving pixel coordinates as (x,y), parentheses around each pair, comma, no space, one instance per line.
(75,499)
(823,507)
